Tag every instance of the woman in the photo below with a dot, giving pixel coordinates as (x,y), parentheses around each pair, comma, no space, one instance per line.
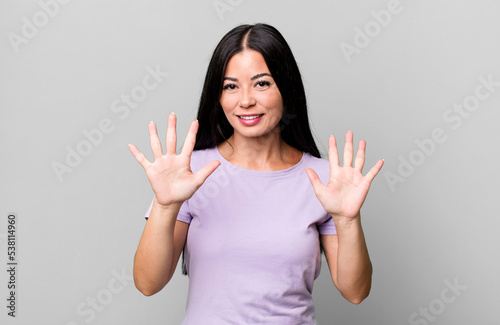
(250,222)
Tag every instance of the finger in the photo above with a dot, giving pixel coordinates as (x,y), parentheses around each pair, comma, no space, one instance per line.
(359,162)
(206,171)
(348,149)
(155,142)
(187,148)
(139,156)
(333,155)
(171,135)
(314,179)
(374,171)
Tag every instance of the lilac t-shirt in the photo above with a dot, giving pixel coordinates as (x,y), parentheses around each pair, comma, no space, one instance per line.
(252,249)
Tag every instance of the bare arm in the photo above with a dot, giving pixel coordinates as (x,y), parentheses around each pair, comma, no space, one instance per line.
(342,198)
(159,249)
(348,260)
(173,182)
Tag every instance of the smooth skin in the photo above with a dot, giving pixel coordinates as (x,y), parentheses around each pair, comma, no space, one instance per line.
(343,196)
(252,90)
(173,182)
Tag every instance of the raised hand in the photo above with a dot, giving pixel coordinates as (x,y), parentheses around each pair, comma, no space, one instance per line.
(170,175)
(347,188)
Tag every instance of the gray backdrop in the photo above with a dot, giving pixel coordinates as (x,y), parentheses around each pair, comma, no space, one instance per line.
(419,80)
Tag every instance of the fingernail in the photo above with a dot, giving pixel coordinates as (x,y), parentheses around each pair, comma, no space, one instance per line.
(172,113)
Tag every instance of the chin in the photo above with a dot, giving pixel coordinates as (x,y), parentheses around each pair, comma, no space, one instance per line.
(254,133)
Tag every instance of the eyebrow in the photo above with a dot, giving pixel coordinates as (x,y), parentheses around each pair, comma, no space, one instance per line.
(252,78)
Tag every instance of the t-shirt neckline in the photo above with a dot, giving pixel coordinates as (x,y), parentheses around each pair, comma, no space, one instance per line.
(265,173)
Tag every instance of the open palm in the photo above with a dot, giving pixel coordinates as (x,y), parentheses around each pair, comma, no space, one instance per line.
(170,175)
(347,188)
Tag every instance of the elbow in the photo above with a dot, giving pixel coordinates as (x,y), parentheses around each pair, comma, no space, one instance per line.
(144,289)
(148,283)
(146,292)
(360,292)
(357,296)
(357,300)
(147,288)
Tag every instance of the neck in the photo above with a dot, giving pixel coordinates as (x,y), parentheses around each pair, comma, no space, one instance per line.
(268,152)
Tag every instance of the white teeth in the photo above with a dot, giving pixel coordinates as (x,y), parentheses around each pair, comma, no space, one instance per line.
(249,117)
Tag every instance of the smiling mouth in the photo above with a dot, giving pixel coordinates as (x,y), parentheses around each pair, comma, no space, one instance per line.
(249,117)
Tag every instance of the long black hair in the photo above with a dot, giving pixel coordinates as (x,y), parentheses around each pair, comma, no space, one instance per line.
(214,127)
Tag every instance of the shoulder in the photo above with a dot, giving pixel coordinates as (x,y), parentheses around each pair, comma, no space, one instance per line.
(320,165)
(200,158)
(202,153)
(314,162)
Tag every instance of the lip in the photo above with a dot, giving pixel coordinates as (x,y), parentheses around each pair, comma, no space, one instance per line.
(250,122)
(249,114)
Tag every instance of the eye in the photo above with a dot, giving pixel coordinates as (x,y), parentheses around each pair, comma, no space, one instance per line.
(263,83)
(229,87)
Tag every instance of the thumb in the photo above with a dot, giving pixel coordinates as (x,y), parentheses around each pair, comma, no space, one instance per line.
(206,171)
(314,179)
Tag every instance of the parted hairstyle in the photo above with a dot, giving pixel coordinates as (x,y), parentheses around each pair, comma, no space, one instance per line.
(214,127)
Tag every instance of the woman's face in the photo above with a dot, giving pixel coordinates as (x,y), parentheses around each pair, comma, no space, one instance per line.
(250,98)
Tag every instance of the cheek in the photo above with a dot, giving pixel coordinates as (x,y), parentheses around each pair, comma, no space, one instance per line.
(228,103)
(275,103)
(270,100)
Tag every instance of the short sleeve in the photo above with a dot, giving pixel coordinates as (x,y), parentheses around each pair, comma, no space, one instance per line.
(149,210)
(327,227)
(184,214)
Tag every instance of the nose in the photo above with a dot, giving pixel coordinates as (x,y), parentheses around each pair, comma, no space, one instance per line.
(247,98)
